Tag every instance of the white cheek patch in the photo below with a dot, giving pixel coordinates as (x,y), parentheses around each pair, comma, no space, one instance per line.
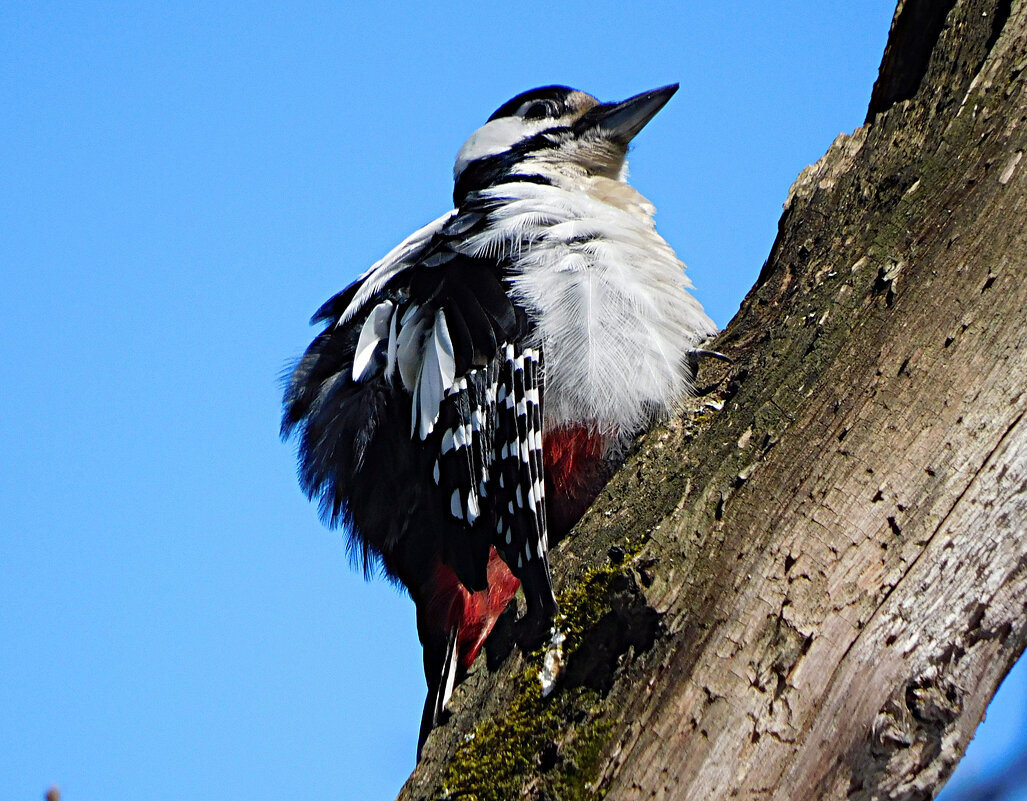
(496,137)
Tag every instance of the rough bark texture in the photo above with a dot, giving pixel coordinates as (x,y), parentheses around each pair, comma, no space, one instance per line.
(813,591)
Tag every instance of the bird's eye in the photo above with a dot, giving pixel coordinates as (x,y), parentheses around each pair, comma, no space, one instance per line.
(541,109)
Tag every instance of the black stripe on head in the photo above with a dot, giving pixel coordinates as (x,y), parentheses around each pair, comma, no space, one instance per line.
(501,167)
(546,101)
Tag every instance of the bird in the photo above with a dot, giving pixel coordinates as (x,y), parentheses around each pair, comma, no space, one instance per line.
(473,391)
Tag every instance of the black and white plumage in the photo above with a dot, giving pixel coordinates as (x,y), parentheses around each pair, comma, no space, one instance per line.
(456,380)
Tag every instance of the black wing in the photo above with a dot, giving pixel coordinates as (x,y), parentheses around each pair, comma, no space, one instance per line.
(420,407)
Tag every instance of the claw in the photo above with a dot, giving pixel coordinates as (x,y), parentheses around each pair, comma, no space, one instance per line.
(699,353)
(694,356)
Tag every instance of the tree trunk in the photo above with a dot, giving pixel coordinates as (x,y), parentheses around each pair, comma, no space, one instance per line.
(812,582)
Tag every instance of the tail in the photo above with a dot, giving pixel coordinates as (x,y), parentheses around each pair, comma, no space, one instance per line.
(453,625)
(440,687)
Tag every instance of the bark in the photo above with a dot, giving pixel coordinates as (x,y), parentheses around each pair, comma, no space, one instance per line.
(812,582)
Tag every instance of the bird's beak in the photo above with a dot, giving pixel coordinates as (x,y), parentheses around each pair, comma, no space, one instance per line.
(621,121)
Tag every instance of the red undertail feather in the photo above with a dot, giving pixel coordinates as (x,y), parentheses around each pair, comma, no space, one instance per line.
(472,614)
(576,470)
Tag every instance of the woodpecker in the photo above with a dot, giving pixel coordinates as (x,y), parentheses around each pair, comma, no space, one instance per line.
(472,392)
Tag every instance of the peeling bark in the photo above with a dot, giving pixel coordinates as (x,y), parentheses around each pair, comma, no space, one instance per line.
(812,582)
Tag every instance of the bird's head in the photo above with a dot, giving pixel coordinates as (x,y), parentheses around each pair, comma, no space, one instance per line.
(554,134)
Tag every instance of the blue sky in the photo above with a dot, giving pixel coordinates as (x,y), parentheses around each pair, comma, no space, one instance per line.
(181,186)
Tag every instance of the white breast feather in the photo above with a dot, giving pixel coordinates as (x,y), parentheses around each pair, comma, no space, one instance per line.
(615,318)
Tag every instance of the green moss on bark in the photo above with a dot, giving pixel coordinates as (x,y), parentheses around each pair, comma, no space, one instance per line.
(553,743)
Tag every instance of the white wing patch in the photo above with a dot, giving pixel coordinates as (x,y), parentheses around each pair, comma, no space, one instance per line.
(421,346)
(375,329)
(436,374)
(410,345)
